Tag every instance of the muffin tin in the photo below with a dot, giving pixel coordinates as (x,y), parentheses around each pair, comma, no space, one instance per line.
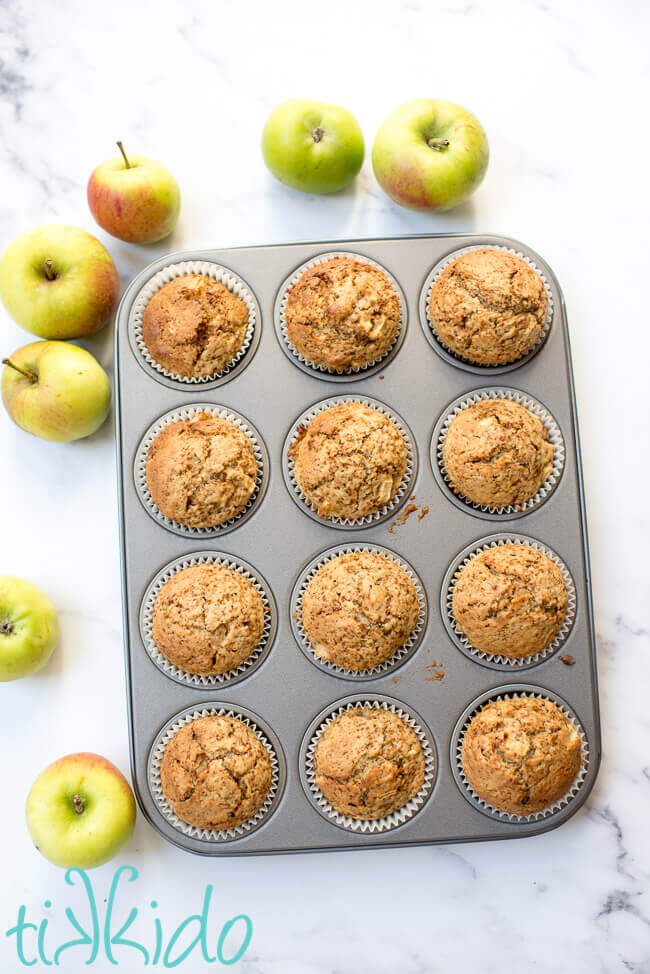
(286,695)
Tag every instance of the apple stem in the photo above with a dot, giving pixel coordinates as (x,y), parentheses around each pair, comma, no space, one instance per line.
(78,804)
(6,627)
(438,144)
(26,372)
(50,273)
(317,134)
(126,161)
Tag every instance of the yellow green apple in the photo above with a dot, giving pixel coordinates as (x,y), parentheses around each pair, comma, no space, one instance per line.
(311,146)
(29,628)
(430,154)
(80,811)
(55,390)
(134,198)
(58,281)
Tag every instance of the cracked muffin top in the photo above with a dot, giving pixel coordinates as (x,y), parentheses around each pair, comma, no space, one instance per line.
(489,307)
(520,755)
(368,763)
(510,600)
(208,619)
(194,326)
(201,471)
(349,461)
(215,772)
(359,609)
(496,452)
(342,314)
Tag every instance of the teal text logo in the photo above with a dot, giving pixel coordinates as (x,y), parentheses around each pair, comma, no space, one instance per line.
(94,935)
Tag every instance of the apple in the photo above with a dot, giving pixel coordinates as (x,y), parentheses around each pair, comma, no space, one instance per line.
(311,146)
(58,281)
(80,811)
(430,154)
(55,390)
(29,628)
(134,198)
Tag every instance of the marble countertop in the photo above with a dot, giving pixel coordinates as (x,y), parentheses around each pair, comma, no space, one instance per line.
(561,89)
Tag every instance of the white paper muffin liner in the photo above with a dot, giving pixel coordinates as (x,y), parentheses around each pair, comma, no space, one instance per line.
(217,680)
(400,656)
(322,371)
(367,826)
(184,414)
(155,785)
(217,272)
(458,736)
(403,491)
(449,354)
(498,660)
(534,406)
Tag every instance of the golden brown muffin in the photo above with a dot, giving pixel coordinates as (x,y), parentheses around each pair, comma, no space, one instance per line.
(215,772)
(520,755)
(497,453)
(359,609)
(201,471)
(194,326)
(349,461)
(368,763)
(510,600)
(342,314)
(208,619)
(489,307)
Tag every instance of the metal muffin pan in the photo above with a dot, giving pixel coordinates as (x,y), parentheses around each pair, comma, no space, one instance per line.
(287,691)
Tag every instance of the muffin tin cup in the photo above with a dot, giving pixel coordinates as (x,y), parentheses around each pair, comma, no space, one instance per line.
(497,661)
(512,691)
(186,413)
(321,371)
(510,511)
(453,358)
(370,520)
(308,773)
(217,272)
(218,680)
(264,734)
(404,652)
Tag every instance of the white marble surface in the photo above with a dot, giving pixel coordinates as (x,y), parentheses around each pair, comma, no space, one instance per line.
(562,90)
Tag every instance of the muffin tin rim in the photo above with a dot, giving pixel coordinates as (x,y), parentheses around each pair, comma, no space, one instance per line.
(212,682)
(319,371)
(451,357)
(483,806)
(402,655)
(192,384)
(498,661)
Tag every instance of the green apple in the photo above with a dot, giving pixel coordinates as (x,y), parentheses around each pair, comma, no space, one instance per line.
(430,154)
(58,282)
(311,146)
(80,811)
(29,628)
(134,198)
(55,390)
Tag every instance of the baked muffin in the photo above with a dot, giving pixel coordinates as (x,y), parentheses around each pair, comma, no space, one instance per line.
(194,326)
(201,471)
(368,763)
(359,609)
(349,461)
(520,755)
(496,452)
(489,307)
(208,619)
(342,314)
(215,772)
(510,600)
